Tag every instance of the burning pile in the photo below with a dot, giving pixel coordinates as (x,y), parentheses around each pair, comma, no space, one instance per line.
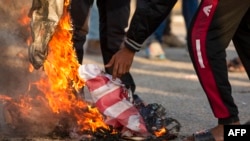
(58,111)
(126,112)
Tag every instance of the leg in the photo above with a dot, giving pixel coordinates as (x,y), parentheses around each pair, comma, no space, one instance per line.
(93,37)
(207,42)
(189,8)
(169,39)
(112,31)
(79,13)
(153,44)
(167,30)
(160,30)
(241,42)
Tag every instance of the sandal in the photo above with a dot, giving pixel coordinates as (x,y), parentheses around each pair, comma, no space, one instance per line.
(235,65)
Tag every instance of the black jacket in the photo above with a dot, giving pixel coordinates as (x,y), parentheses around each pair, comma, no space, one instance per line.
(148,16)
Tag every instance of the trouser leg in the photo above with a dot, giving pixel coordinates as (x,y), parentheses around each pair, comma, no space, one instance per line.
(242,43)
(114,16)
(209,36)
(79,10)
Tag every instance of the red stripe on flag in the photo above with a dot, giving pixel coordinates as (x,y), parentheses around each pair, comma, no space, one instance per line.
(96,82)
(109,99)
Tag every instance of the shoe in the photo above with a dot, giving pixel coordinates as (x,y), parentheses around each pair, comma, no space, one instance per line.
(93,47)
(155,52)
(235,65)
(172,40)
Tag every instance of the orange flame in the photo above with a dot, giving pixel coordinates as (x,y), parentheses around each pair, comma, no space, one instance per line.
(61,67)
(161,132)
(5,98)
(62,80)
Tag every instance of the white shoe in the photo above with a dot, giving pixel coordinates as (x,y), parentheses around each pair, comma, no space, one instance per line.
(155,52)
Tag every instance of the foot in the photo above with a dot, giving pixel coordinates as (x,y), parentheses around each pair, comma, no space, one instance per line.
(155,52)
(214,134)
(235,65)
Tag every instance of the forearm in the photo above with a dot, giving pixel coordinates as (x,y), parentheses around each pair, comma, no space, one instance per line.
(148,16)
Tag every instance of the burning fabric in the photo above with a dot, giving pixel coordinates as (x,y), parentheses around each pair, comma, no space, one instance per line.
(110,97)
(45,15)
(65,75)
(136,118)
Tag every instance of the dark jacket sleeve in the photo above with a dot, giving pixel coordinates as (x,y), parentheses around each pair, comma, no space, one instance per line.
(148,16)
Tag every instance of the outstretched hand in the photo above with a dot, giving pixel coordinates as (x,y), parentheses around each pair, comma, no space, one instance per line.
(121,62)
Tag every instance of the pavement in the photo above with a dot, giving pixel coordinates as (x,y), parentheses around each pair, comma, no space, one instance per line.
(174,84)
(171,82)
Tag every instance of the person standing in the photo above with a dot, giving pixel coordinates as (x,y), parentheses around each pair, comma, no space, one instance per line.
(208,38)
(113,19)
(112,32)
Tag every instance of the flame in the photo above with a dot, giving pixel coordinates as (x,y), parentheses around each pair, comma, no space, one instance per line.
(61,67)
(161,132)
(31,68)
(23,103)
(62,82)
(5,98)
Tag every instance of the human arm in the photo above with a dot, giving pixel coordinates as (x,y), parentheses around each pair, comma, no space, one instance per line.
(148,16)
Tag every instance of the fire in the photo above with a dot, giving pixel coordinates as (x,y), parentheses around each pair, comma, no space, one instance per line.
(61,68)
(57,88)
(5,98)
(58,93)
(161,132)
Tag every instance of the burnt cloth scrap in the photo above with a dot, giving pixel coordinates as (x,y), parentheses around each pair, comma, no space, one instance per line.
(45,15)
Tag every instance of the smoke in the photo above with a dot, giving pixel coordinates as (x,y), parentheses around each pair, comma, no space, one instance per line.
(15,78)
(13,47)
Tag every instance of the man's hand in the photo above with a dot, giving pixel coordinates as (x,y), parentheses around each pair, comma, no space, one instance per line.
(121,62)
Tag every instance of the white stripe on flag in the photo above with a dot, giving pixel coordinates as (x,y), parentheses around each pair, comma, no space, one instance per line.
(103,90)
(116,109)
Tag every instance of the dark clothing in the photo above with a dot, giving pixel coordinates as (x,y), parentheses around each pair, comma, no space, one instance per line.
(148,16)
(79,10)
(114,15)
(216,23)
(113,19)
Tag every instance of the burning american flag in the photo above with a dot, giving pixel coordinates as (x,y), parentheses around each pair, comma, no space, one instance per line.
(51,107)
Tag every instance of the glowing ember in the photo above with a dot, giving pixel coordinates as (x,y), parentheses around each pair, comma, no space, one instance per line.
(161,132)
